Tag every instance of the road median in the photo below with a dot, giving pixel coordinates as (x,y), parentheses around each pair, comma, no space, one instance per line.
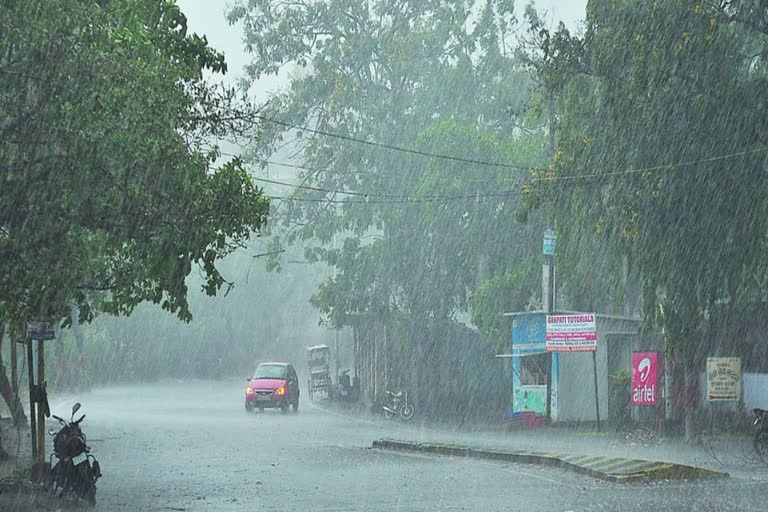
(612,469)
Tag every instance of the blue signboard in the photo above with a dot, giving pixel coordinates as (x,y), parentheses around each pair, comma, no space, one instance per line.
(529,333)
(550,238)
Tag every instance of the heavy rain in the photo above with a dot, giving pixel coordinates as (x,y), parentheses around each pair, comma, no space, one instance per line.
(383,255)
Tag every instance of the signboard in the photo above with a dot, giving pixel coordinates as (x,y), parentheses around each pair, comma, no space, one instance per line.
(723,378)
(550,238)
(646,370)
(529,332)
(571,333)
(529,328)
(40,331)
(531,398)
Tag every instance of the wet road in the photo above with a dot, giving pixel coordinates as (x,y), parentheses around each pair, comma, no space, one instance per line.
(191,446)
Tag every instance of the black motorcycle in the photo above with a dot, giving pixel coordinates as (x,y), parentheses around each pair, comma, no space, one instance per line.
(345,386)
(760,426)
(76,470)
(397,404)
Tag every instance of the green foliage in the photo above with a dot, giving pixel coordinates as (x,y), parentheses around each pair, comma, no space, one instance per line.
(668,87)
(426,75)
(621,376)
(108,198)
(503,293)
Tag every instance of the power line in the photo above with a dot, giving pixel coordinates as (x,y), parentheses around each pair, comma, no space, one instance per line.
(319,189)
(396,199)
(391,146)
(664,167)
(376,174)
(656,168)
(550,178)
(376,194)
(406,200)
(380,175)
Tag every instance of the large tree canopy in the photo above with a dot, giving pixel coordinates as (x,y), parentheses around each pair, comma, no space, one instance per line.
(417,233)
(108,194)
(661,151)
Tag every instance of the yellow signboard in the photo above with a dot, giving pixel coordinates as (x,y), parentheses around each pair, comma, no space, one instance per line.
(723,378)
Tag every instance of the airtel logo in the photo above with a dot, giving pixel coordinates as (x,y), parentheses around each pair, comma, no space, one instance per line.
(644,368)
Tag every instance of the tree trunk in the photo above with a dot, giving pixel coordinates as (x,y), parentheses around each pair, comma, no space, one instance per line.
(689,398)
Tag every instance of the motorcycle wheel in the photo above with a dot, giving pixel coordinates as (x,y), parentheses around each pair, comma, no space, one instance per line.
(85,488)
(91,495)
(388,414)
(407,411)
(64,478)
(56,479)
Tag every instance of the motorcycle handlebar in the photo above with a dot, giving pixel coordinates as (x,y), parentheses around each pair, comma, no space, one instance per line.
(81,419)
(57,418)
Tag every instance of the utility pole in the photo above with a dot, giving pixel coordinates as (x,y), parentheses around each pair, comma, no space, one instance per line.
(32,398)
(36,334)
(549,255)
(548,291)
(41,411)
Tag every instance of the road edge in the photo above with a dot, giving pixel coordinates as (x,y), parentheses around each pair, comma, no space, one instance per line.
(654,472)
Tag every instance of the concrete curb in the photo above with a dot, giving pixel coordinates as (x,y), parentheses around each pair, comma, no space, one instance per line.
(612,469)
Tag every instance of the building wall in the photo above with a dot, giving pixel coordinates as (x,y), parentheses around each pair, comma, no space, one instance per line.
(576,383)
(756,390)
(576,386)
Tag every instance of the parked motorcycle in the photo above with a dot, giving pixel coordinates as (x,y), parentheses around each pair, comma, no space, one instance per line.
(345,386)
(76,470)
(760,426)
(397,404)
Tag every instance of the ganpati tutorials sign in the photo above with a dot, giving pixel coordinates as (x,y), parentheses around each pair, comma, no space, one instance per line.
(571,333)
(723,378)
(645,377)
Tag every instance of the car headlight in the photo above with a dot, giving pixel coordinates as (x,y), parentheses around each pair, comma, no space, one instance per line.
(280,391)
(248,391)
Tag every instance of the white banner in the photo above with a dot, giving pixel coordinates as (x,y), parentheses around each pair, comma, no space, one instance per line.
(571,333)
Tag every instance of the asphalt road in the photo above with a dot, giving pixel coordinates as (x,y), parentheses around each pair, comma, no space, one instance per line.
(191,446)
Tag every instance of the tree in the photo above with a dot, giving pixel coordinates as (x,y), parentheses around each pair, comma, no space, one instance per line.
(423,75)
(674,187)
(110,195)
(409,235)
(503,293)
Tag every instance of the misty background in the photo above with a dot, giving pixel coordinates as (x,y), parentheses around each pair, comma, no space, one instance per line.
(267,314)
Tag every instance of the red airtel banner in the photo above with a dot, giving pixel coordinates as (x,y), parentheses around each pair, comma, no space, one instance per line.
(646,369)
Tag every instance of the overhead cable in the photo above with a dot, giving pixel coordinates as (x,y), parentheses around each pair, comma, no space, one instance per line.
(391,146)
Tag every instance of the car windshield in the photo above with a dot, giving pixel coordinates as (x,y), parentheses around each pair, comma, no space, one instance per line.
(270,371)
